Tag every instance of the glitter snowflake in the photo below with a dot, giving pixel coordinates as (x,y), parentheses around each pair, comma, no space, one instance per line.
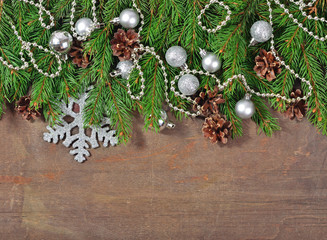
(79,141)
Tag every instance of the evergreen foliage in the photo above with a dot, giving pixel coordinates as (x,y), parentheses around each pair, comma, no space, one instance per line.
(167,23)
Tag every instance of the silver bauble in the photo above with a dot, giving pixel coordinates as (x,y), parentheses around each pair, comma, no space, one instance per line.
(245,108)
(125,68)
(211,62)
(176,56)
(164,122)
(188,84)
(129,18)
(83,26)
(60,41)
(261,31)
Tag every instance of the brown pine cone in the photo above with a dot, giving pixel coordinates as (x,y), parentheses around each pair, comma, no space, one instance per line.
(124,43)
(297,109)
(217,128)
(23,108)
(79,57)
(209,102)
(266,65)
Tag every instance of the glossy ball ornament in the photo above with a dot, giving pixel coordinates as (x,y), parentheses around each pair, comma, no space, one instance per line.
(245,108)
(188,84)
(261,31)
(211,62)
(60,41)
(84,26)
(129,18)
(125,68)
(164,122)
(176,56)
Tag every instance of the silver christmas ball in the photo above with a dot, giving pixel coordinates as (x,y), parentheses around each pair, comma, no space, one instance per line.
(188,84)
(84,26)
(211,62)
(164,122)
(60,41)
(125,68)
(261,31)
(129,18)
(245,108)
(176,56)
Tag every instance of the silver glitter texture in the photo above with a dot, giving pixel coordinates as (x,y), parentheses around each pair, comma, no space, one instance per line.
(261,31)
(188,84)
(125,68)
(176,56)
(80,140)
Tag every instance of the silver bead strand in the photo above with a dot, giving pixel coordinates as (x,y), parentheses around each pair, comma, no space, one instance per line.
(141,16)
(223,23)
(301,6)
(41,9)
(27,46)
(93,27)
(285,65)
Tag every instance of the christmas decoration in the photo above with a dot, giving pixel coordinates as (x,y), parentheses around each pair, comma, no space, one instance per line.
(300,39)
(267,66)
(23,107)
(245,108)
(176,56)
(298,108)
(209,102)
(123,69)
(164,122)
(129,18)
(261,31)
(77,54)
(84,26)
(60,41)
(188,84)
(124,43)
(80,141)
(217,128)
(210,62)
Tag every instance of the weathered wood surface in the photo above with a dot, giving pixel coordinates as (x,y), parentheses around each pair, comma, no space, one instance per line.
(175,185)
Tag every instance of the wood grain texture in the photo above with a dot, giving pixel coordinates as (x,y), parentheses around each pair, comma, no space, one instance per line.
(174,185)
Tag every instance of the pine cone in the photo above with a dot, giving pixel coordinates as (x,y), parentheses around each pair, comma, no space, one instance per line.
(23,108)
(297,109)
(79,57)
(266,65)
(217,128)
(209,102)
(124,43)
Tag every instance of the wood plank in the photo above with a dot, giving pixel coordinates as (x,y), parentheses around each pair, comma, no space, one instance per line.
(175,185)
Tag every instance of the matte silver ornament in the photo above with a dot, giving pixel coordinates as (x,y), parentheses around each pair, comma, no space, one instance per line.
(164,122)
(245,108)
(60,41)
(261,31)
(176,56)
(129,18)
(84,27)
(80,141)
(210,62)
(125,68)
(188,84)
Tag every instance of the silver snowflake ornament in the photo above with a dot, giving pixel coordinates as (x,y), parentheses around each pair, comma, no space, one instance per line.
(79,141)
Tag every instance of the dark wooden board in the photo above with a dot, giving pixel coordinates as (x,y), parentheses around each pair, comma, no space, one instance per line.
(174,185)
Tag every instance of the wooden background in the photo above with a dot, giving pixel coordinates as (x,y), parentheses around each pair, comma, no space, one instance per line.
(174,185)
